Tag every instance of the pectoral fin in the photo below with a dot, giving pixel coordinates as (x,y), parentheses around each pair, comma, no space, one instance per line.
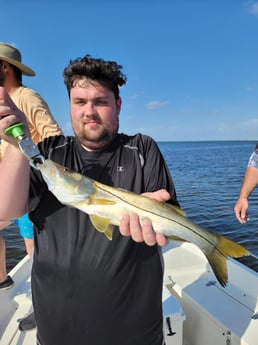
(102,225)
(102,202)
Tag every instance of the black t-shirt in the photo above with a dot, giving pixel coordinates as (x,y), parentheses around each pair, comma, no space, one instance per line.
(87,289)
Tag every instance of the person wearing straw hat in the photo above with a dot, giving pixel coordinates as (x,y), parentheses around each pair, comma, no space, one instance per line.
(12,55)
(41,124)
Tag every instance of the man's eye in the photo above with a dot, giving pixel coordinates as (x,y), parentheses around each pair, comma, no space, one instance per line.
(79,102)
(101,102)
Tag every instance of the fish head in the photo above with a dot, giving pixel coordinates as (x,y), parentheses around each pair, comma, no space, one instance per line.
(68,186)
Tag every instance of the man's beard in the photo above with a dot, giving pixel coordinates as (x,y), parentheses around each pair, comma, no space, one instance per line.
(2,78)
(98,142)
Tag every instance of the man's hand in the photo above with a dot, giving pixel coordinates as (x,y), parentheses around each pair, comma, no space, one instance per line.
(9,115)
(240,209)
(130,225)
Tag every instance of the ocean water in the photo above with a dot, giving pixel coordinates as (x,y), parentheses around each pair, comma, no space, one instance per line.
(207,176)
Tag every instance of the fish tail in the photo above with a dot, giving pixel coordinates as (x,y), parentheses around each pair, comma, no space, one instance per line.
(218,257)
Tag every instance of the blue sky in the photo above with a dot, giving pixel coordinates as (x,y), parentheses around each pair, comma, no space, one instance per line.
(192,65)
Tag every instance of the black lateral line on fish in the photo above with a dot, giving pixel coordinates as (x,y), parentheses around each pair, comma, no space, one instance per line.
(102,187)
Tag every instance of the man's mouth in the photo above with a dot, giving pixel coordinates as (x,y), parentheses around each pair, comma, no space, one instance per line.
(92,123)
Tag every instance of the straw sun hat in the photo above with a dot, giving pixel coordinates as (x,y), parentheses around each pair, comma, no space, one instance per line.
(12,55)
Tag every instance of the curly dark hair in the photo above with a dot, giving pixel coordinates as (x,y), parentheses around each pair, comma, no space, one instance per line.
(107,73)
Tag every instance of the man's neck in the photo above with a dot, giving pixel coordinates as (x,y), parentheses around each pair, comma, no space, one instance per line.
(12,89)
(11,86)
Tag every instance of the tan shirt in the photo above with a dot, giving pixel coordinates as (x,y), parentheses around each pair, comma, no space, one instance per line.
(40,120)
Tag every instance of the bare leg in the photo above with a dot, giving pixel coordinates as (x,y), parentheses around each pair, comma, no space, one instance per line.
(3,273)
(29,245)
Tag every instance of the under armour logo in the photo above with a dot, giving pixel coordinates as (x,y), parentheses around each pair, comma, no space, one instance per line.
(120,168)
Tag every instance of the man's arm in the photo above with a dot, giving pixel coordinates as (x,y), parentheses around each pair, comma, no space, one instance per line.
(14,166)
(41,122)
(4,225)
(249,184)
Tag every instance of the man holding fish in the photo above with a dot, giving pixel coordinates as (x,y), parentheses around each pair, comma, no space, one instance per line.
(86,288)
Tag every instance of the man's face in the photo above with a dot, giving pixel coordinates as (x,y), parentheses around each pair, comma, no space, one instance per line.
(94,114)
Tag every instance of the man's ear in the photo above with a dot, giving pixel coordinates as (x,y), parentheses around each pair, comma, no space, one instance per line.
(118,105)
(5,65)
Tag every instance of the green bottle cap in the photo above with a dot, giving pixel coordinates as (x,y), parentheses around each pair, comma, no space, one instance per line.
(15,130)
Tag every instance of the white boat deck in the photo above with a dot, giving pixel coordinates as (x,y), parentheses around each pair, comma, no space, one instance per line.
(214,315)
(197,310)
(18,301)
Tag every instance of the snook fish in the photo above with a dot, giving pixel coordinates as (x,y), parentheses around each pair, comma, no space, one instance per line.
(106,205)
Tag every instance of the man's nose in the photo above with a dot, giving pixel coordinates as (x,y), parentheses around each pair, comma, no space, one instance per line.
(89,109)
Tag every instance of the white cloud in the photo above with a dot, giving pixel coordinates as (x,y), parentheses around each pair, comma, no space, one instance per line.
(156,104)
(249,89)
(253,8)
(250,123)
(134,96)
